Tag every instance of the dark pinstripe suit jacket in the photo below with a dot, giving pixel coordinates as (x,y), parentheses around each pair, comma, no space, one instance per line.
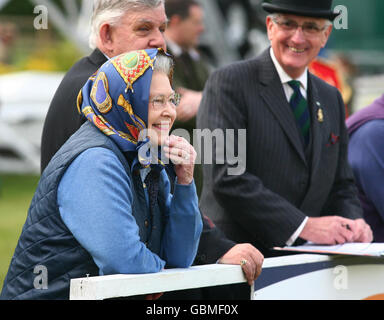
(282,183)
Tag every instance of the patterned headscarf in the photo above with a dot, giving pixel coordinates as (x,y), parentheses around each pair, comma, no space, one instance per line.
(115,100)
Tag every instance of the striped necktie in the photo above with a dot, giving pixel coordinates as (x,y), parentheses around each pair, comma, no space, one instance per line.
(299,107)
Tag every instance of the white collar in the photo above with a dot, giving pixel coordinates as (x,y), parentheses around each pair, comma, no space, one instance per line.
(284,77)
(177,50)
(108,58)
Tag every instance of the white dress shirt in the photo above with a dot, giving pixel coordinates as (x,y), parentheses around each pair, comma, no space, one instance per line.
(285,78)
(177,50)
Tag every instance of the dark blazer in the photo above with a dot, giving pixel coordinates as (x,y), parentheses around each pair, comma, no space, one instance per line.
(283,182)
(63,119)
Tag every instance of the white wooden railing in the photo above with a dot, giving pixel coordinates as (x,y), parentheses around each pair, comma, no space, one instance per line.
(303,276)
(125,285)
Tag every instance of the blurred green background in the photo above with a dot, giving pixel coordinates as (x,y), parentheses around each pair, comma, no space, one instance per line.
(16,192)
(363,41)
(28,50)
(31,49)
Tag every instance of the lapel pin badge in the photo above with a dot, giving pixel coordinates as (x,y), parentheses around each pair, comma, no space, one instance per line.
(320,114)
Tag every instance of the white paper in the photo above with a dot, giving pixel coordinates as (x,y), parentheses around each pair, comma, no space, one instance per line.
(360,249)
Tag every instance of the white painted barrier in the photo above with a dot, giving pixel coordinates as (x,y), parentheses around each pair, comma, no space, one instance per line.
(293,277)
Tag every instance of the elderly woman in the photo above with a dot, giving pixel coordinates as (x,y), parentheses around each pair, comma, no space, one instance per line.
(103,204)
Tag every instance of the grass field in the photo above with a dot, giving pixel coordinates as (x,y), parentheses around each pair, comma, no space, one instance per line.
(16,192)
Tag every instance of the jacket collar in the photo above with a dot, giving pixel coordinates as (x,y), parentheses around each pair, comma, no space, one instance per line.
(97,57)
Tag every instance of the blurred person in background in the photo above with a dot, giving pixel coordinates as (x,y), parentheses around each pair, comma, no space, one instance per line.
(337,71)
(186,24)
(8,34)
(366,156)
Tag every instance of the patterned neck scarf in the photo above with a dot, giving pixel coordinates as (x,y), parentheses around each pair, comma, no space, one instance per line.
(115,100)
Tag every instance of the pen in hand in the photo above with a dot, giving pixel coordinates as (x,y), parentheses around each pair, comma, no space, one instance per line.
(347,226)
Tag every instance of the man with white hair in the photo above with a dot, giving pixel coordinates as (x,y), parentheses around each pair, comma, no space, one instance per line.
(116,27)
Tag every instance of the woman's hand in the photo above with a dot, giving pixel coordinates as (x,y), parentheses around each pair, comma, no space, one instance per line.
(250,259)
(183,155)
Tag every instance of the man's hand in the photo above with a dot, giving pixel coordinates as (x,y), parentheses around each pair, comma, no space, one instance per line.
(361,230)
(333,230)
(250,255)
(189,104)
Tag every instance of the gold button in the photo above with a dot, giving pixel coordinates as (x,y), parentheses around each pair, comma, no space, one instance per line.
(146,223)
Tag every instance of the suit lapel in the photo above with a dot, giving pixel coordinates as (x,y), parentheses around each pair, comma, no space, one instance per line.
(319,123)
(273,94)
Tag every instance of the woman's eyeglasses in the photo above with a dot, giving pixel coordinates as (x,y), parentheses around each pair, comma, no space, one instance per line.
(160,101)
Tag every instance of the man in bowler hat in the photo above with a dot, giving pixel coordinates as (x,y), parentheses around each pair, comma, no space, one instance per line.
(296,185)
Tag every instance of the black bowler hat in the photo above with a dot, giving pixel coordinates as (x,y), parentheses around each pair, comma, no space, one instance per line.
(315,8)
